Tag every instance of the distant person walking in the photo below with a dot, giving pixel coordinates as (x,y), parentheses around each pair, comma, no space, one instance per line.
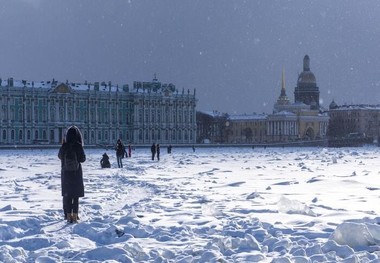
(129,150)
(105,161)
(158,151)
(193,147)
(72,155)
(120,151)
(153,150)
(170,149)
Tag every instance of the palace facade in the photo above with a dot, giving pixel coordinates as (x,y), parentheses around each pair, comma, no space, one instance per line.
(40,112)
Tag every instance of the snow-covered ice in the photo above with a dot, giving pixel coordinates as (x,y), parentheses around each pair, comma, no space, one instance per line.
(212,205)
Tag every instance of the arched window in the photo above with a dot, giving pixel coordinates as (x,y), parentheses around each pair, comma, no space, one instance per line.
(179,135)
(85,136)
(51,135)
(92,136)
(186,135)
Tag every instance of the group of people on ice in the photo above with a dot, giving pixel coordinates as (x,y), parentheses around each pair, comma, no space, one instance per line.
(121,152)
(72,155)
(155,150)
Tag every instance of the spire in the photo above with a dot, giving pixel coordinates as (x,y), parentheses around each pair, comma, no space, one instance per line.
(283,92)
(283,99)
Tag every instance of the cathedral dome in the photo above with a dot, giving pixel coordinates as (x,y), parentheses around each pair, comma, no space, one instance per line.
(306,78)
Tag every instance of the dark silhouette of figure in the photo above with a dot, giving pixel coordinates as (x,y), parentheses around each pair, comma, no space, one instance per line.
(120,151)
(153,150)
(193,148)
(105,161)
(129,150)
(72,180)
(158,151)
(170,149)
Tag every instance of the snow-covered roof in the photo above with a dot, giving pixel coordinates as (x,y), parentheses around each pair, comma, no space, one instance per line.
(288,113)
(358,107)
(146,87)
(53,83)
(213,113)
(248,117)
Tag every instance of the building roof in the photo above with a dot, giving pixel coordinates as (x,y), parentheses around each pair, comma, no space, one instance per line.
(54,83)
(141,87)
(285,113)
(358,107)
(213,113)
(248,117)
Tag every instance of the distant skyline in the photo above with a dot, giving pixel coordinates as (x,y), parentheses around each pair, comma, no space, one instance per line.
(231,51)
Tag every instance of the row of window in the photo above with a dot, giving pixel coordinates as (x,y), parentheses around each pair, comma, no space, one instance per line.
(40,114)
(42,135)
(102,136)
(166,135)
(154,116)
(103,115)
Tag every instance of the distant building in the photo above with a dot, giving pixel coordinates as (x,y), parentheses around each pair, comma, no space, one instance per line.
(39,112)
(354,119)
(246,128)
(289,122)
(302,119)
(211,126)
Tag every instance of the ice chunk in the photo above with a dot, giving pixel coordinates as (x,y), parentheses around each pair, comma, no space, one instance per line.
(352,234)
(288,206)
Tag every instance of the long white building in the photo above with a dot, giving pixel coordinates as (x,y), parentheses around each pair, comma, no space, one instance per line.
(39,112)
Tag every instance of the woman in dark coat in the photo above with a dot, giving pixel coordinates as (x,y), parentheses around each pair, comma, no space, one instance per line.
(158,151)
(153,150)
(120,151)
(72,181)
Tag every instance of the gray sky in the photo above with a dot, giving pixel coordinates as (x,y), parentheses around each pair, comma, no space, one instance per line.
(231,51)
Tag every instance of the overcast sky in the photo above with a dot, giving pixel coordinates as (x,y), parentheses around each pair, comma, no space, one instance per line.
(231,51)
